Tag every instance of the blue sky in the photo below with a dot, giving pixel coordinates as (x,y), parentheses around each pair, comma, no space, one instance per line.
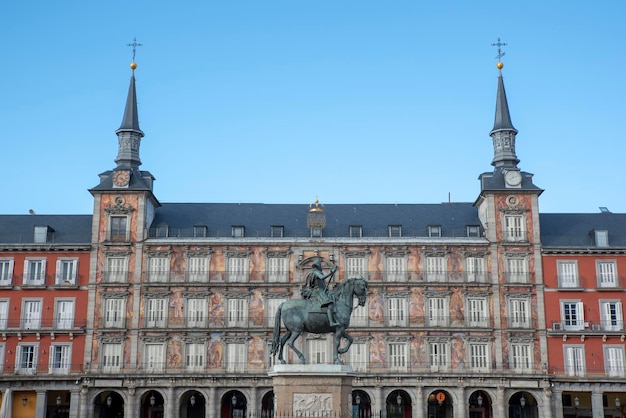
(289,101)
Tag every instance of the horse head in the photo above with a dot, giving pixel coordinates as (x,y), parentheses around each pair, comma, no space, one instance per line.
(360,290)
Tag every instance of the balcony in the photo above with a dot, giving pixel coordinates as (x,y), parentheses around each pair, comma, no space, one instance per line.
(45,324)
(570,283)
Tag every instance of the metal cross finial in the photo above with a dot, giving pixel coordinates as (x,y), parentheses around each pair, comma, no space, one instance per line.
(135,45)
(499,45)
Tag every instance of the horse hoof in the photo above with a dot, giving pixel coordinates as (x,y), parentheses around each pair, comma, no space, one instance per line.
(283,362)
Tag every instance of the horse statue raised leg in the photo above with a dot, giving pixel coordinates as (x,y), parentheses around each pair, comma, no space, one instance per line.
(303,315)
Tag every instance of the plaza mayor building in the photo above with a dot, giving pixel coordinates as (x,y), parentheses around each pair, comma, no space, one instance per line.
(149,309)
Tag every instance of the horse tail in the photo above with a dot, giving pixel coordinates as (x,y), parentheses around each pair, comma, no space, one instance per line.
(275,342)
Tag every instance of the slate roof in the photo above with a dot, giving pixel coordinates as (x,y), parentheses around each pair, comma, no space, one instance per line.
(576,229)
(257,218)
(68,229)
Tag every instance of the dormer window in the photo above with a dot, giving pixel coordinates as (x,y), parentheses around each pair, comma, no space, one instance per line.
(43,234)
(277,231)
(199,231)
(473,230)
(601,237)
(356,231)
(395,231)
(162,231)
(316,232)
(238,231)
(434,231)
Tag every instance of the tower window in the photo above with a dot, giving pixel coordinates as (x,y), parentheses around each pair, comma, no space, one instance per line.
(118,228)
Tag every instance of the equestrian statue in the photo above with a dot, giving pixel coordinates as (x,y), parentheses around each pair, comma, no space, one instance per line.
(320,311)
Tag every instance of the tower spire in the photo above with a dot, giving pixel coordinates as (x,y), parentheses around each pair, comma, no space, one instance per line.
(129,134)
(503,132)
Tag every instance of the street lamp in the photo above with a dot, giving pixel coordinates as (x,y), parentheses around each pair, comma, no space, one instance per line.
(109,401)
(152,400)
(576,405)
(357,400)
(24,400)
(58,405)
(522,403)
(233,400)
(399,399)
(618,403)
(192,400)
(480,400)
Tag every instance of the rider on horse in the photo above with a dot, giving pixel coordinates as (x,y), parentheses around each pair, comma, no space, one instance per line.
(315,279)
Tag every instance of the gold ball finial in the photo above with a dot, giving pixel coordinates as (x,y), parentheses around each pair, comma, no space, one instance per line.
(133,65)
(499,65)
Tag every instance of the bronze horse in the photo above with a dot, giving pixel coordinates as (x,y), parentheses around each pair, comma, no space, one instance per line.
(304,315)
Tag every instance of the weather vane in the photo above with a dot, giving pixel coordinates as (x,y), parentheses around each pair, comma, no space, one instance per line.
(499,45)
(135,45)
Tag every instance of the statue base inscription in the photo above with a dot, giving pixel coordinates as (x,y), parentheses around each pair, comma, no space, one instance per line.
(305,390)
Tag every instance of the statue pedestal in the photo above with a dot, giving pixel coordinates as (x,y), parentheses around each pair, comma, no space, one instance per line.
(312,390)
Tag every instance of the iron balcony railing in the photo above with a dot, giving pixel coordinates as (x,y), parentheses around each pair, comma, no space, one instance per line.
(43,324)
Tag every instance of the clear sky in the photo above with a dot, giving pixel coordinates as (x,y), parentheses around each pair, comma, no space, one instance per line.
(289,101)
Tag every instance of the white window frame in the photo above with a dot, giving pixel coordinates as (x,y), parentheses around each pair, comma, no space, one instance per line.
(195,356)
(601,237)
(606,272)
(567,273)
(356,266)
(64,312)
(438,311)
(6,271)
(197,312)
(394,231)
(4,313)
(31,313)
(156,312)
(572,315)
(519,313)
(473,231)
(60,358)
(521,357)
(117,270)
(238,269)
(154,360)
(23,365)
(517,270)
(436,268)
(514,228)
(114,313)
(477,313)
(574,360)
(111,357)
(355,231)
(439,355)
(41,234)
(358,356)
(434,231)
(198,269)
(238,231)
(475,271)
(277,231)
(236,357)
(613,360)
(480,356)
(67,271)
(398,360)
(158,269)
(34,272)
(396,311)
(611,315)
(277,269)
(396,269)
(2,351)
(318,350)
(271,307)
(237,313)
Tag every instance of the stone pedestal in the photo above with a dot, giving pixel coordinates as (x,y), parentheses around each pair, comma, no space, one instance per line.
(312,390)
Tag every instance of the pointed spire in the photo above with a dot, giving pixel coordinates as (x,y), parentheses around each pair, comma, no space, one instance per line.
(129,134)
(503,132)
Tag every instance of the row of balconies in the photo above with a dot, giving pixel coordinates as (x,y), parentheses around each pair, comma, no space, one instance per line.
(600,326)
(43,324)
(581,283)
(227,277)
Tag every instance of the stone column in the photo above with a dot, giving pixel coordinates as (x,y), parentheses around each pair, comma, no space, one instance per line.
(418,409)
(75,411)
(547,403)
(557,400)
(171,404)
(85,410)
(597,406)
(253,407)
(211,408)
(40,405)
(130,409)
(501,401)
(379,402)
